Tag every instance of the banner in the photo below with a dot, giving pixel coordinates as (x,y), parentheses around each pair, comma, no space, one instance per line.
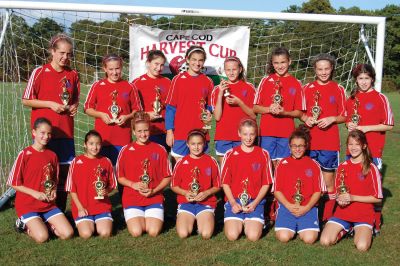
(218,44)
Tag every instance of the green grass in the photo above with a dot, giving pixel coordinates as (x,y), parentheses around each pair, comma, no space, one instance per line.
(168,249)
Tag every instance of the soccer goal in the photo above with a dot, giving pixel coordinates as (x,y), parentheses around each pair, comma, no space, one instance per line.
(100,29)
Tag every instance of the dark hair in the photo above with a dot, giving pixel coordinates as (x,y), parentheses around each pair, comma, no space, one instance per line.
(248,122)
(41,120)
(301,132)
(195,49)
(276,52)
(140,117)
(56,39)
(360,137)
(196,132)
(362,69)
(92,133)
(242,74)
(111,57)
(153,54)
(325,57)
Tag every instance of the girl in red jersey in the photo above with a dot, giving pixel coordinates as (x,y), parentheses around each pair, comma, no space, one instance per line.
(230,108)
(246,178)
(325,100)
(90,179)
(153,90)
(34,178)
(279,100)
(188,97)
(53,92)
(358,185)
(144,171)
(112,101)
(369,111)
(297,187)
(196,180)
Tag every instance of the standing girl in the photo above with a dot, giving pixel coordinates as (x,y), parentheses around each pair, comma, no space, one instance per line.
(90,179)
(325,101)
(232,101)
(358,183)
(34,178)
(53,92)
(370,112)
(246,178)
(153,90)
(279,100)
(144,171)
(188,97)
(196,180)
(298,186)
(112,101)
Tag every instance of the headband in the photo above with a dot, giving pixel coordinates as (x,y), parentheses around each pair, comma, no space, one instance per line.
(194,50)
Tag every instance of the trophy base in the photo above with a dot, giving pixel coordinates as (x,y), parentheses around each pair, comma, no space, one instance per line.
(114,120)
(66,107)
(207,127)
(99,197)
(157,116)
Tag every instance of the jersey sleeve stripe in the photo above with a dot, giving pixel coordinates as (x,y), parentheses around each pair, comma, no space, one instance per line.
(389,120)
(68,184)
(90,95)
(376,179)
(177,165)
(172,89)
(259,90)
(29,88)
(16,169)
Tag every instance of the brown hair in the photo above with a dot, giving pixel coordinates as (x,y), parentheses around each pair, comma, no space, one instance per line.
(195,49)
(326,57)
(248,122)
(360,137)
(242,74)
(276,52)
(301,132)
(140,117)
(362,69)
(56,39)
(196,132)
(154,54)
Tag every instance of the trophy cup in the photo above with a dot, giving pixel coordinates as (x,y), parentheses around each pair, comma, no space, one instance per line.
(194,186)
(204,114)
(342,188)
(145,178)
(244,197)
(157,105)
(114,108)
(277,97)
(316,109)
(355,117)
(65,96)
(48,183)
(99,184)
(298,197)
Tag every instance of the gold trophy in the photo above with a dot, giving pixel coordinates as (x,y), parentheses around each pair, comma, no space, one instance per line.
(48,183)
(277,97)
(342,188)
(145,178)
(355,117)
(204,114)
(99,184)
(316,109)
(227,92)
(194,186)
(114,108)
(244,197)
(298,197)
(157,105)
(65,96)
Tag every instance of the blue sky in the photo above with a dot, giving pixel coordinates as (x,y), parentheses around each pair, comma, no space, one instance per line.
(249,5)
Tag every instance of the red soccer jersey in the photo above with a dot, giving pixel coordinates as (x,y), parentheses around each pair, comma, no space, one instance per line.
(146,87)
(130,165)
(374,109)
(239,165)
(100,99)
(185,94)
(46,84)
(332,102)
(208,176)
(227,126)
(29,170)
(293,99)
(289,170)
(81,180)
(360,185)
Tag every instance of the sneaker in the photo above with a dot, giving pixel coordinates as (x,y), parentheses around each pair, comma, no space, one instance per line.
(376,232)
(20,226)
(350,234)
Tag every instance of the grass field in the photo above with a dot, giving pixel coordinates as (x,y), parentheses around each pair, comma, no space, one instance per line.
(168,249)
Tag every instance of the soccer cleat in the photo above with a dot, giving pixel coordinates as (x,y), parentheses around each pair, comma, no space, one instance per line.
(376,232)
(20,226)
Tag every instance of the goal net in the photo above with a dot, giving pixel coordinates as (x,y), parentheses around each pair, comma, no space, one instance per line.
(27,32)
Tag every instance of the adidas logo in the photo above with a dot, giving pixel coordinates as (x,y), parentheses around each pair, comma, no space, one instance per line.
(186,162)
(131,148)
(312,86)
(102,83)
(28,153)
(345,163)
(47,70)
(79,161)
(316,222)
(284,162)
(183,77)
(143,78)
(235,153)
(271,79)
